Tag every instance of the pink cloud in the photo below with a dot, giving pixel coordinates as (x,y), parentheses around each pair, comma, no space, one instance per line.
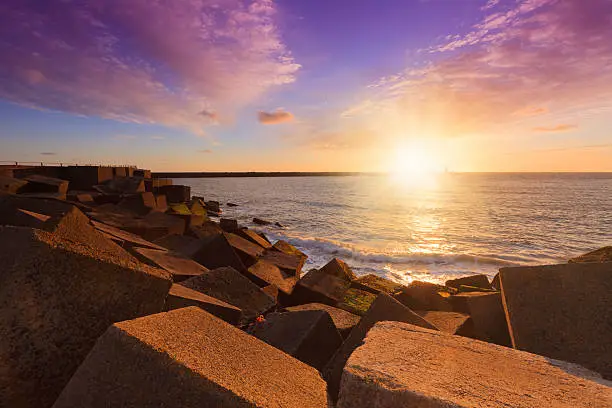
(142,61)
(555,129)
(274,118)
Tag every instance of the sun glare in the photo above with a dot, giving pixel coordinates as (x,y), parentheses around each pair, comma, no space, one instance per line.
(415,164)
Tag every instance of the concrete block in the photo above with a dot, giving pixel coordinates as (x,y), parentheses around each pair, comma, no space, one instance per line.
(449,322)
(284,246)
(487,314)
(142,203)
(424,296)
(181,296)
(176,193)
(228,224)
(338,268)
(177,265)
(129,240)
(476,281)
(376,284)
(228,250)
(85,177)
(142,173)
(599,255)
(264,273)
(206,232)
(356,301)
(12,185)
(186,245)
(289,263)
(43,184)
(343,320)
(319,287)
(254,237)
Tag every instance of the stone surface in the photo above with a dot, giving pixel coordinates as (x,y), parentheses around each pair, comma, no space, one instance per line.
(228,224)
(176,193)
(181,296)
(308,335)
(562,311)
(122,185)
(206,232)
(599,255)
(58,293)
(376,284)
(384,308)
(487,314)
(287,248)
(142,203)
(155,225)
(142,173)
(357,301)
(183,244)
(254,237)
(229,285)
(85,177)
(259,221)
(264,273)
(477,281)
(188,358)
(449,322)
(180,267)
(213,206)
(401,365)
(129,240)
(343,320)
(292,264)
(161,203)
(424,296)
(228,250)
(319,287)
(338,268)
(43,184)
(12,185)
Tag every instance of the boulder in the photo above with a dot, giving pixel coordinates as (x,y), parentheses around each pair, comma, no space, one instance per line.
(308,335)
(424,296)
(43,184)
(58,293)
(176,193)
(259,221)
(85,177)
(128,239)
(599,255)
(254,237)
(213,206)
(318,287)
(141,204)
(291,264)
(376,284)
(487,314)
(12,185)
(181,296)
(264,274)
(383,308)
(338,268)
(475,281)
(183,244)
(228,224)
(229,285)
(228,250)
(562,311)
(357,301)
(343,320)
(180,267)
(188,358)
(449,322)
(232,205)
(401,365)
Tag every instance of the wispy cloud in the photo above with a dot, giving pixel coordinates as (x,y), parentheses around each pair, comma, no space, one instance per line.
(205,151)
(555,129)
(273,118)
(48,154)
(169,62)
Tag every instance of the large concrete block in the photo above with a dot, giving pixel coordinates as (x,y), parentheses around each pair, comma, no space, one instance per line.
(264,273)
(229,250)
(343,320)
(424,296)
(155,225)
(188,358)
(141,204)
(228,224)
(562,311)
(308,335)
(12,185)
(229,285)
(123,185)
(254,237)
(357,301)
(181,296)
(319,287)
(287,248)
(599,255)
(476,281)
(384,308)
(206,232)
(376,284)
(128,239)
(449,322)
(183,244)
(401,365)
(487,313)
(142,173)
(179,266)
(58,293)
(289,263)
(44,184)
(176,193)
(338,268)
(85,177)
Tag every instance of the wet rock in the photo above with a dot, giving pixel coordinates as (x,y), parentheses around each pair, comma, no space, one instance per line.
(318,287)
(279,225)
(12,185)
(291,264)
(474,281)
(384,308)
(487,313)
(229,285)
(43,184)
(401,365)
(178,266)
(213,206)
(376,284)
(181,296)
(264,274)
(259,221)
(308,335)
(449,322)
(357,301)
(228,250)
(58,293)
(343,320)
(338,268)
(188,358)
(599,255)
(228,224)
(232,205)
(253,237)
(424,296)
(562,311)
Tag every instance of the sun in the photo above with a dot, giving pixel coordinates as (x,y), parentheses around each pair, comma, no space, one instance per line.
(415,160)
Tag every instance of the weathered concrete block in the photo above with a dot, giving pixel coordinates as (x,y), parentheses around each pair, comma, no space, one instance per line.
(477,281)
(178,266)
(308,335)
(383,308)
(58,293)
(142,173)
(599,255)
(253,236)
(229,285)
(291,264)
(188,358)
(229,250)
(228,224)
(213,206)
(264,273)
(424,296)
(338,268)
(356,301)
(85,177)
(129,240)
(562,311)
(343,320)
(43,184)
(181,296)
(141,204)
(197,207)
(12,185)
(161,182)
(161,203)
(176,193)
(284,246)
(120,172)
(376,284)
(449,322)
(401,365)
(155,225)
(82,198)
(206,232)
(180,209)
(487,314)
(183,244)
(319,287)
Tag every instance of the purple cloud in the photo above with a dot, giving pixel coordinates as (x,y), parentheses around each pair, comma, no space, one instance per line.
(141,61)
(274,118)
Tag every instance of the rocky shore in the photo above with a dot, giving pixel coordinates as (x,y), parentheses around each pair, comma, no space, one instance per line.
(122,290)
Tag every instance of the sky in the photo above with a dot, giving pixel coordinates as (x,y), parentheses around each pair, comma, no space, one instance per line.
(308,85)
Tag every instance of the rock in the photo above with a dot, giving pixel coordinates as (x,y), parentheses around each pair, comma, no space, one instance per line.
(43,184)
(343,320)
(191,221)
(12,185)
(141,204)
(229,285)
(284,246)
(156,225)
(183,244)
(179,208)
(424,296)
(279,225)
(487,313)
(213,206)
(254,237)
(181,296)
(197,207)
(376,284)
(599,255)
(495,282)
(476,281)
(129,240)
(206,232)
(188,358)
(142,173)
(122,185)
(228,225)
(81,197)
(228,250)
(319,287)
(272,291)
(259,221)
(401,365)
(357,301)
(232,205)
(383,308)
(180,267)
(308,335)
(562,311)
(264,274)
(120,172)
(291,264)
(338,268)
(58,293)
(85,177)
(161,203)
(449,322)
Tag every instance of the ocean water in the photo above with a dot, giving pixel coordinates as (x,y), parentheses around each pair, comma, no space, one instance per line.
(432,228)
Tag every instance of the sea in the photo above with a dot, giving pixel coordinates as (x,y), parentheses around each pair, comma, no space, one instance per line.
(425,227)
